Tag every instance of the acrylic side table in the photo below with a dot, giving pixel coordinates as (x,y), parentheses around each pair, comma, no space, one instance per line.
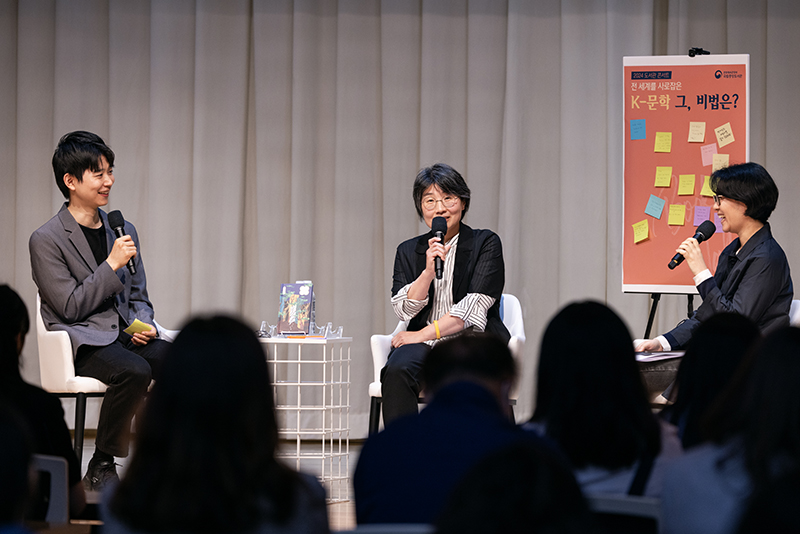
(311,386)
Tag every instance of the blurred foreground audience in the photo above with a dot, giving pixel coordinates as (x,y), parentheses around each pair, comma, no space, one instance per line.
(205,459)
(592,403)
(517,490)
(406,472)
(17,476)
(712,357)
(754,439)
(42,412)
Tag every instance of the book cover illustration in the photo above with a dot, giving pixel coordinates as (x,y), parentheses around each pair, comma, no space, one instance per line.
(294,313)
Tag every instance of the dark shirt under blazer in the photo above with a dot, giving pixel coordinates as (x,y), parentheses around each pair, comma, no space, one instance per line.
(479,268)
(78,296)
(755,283)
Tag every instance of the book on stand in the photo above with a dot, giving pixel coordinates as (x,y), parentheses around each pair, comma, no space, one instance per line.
(296,309)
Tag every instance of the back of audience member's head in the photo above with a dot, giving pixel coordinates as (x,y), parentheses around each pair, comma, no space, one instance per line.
(477,357)
(16,474)
(205,451)
(520,489)
(592,402)
(774,508)
(759,412)
(14,326)
(712,357)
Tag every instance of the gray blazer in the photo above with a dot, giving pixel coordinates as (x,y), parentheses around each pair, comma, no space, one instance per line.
(72,286)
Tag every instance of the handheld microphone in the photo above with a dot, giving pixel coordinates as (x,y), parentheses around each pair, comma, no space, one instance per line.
(704,231)
(117,222)
(439,227)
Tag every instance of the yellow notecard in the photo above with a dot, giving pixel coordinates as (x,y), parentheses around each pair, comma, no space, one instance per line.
(663,142)
(706,190)
(724,135)
(136,327)
(640,231)
(697,132)
(677,214)
(663,176)
(720,162)
(686,184)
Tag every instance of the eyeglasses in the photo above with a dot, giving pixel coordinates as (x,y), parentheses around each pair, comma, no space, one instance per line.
(429,204)
(719,198)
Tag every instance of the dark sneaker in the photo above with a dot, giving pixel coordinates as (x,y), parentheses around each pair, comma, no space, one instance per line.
(99,474)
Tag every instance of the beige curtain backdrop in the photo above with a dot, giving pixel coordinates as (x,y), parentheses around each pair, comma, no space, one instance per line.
(261,142)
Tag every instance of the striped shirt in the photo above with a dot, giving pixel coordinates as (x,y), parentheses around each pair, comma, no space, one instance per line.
(472,309)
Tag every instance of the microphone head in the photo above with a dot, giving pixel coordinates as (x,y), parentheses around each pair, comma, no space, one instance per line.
(439,224)
(706,230)
(116,220)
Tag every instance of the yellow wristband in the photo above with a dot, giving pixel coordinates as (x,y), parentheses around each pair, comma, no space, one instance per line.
(436,326)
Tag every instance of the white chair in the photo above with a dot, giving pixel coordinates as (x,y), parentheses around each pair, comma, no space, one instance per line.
(794,313)
(57,371)
(641,513)
(381,345)
(58,495)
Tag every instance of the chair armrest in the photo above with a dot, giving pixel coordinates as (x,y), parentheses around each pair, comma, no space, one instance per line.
(165,333)
(380,344)
(56,365)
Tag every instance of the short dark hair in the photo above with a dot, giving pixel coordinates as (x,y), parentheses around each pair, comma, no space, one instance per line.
(593,403)
(470,355)
(749,183)
(13,321)
(76,153)
(445,178)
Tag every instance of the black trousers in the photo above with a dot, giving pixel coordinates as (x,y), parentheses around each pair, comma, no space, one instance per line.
(400,380)
(127,370)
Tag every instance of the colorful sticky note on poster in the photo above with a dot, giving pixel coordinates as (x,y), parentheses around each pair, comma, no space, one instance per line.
(701,214)
(640,231)
(717,223)
(655,206)
(697,132)
(663,142)
(663,176)
(677,215)
(707,153)
(724,135)
(720,162)
(706,190)
(686,184)
(638,129)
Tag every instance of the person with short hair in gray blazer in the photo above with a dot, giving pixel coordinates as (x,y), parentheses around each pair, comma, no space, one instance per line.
(87,290)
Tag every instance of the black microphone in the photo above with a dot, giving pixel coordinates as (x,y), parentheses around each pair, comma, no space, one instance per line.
(704,231)
(117,222)
(439,227)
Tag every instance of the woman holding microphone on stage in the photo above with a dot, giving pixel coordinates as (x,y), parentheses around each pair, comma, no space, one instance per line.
(752,276)
(464,293)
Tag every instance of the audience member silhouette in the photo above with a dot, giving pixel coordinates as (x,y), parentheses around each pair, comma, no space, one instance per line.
(713,355)
(592,403)
(774,508)
(41,411)
(406,472)
(517,490)
(754,439)
(205,449)
(16,471)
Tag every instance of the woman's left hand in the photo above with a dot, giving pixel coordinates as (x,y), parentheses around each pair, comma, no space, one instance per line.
(406,338)
(690,249)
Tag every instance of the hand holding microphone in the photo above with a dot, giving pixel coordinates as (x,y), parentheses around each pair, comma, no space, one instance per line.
(124,248)
(439,228)
(704,231)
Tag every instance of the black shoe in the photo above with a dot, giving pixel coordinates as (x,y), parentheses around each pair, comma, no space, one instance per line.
(99,474)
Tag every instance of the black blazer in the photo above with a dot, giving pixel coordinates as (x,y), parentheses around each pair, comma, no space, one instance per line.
(479,268)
